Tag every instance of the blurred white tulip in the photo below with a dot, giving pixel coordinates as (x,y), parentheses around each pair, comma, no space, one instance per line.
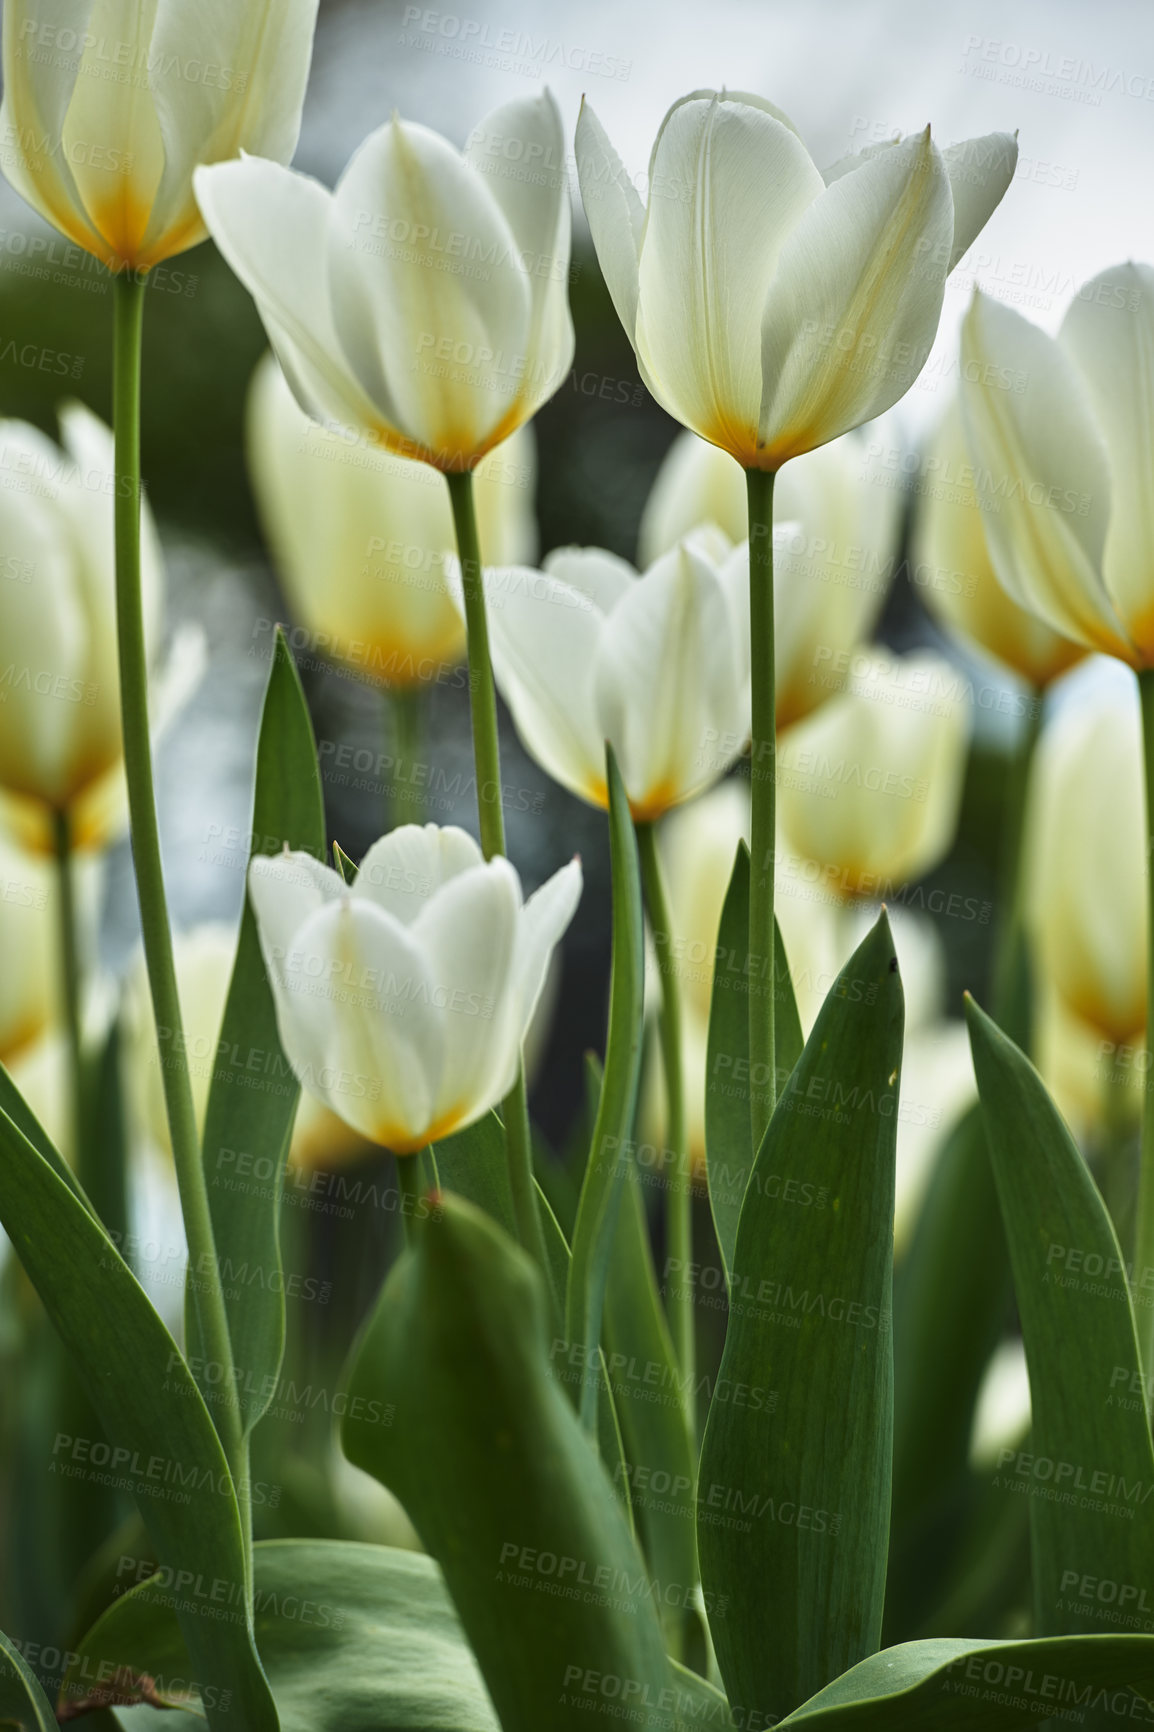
(835,552)
(424,302)
(109,107)
(360,537)
(588,650)
(403,1000)
(772,308)
(870,785)
(1002,1410)
(1059,433)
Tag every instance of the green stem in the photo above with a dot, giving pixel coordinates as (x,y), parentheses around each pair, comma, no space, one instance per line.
(207,1295)
(408,805)
(1011,1001)
(1144,1225)
(70,979)
(411,1183)
(762,770)
(482,692)
(679,1193)
(487,767)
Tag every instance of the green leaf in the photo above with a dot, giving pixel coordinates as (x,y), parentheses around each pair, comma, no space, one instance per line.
(499,1477)
(601,1186)
(1089,1469)
(163,1443)
(22,1701)
(16,1108)
(647,1386)
(794,1484)
(474,1165)
(728,1144)
(355,1638)
(256,1121)
(347,867)
(957,1685)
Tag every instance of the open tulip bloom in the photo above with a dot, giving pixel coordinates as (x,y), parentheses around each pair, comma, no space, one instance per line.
(403,999)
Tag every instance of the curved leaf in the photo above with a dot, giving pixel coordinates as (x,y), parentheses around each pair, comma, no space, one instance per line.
(22,1701)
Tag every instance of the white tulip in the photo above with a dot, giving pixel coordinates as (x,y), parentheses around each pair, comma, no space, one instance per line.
(1085,860)
(770,308)
(60,740)
(361,538)
(1059,433)
(109,106)
(833,560)
(424,302)
(588,650)
(30,980)
(403,1000)
(870,785)
(954,574)
(1002,1411)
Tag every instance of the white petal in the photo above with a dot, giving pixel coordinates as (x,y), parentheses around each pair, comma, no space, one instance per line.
(592,572)
(544,636)
(729,185)
(285,890)
(468,934)
(429,292)
(853,310)
(980,170)
(615,213)
(1109,332)
(697,483)
(272,225)
(670,693)
(542,923)
(1042,473)
(404,869)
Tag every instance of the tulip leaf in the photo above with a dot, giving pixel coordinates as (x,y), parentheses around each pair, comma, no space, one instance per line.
(499,1477)
(22,1701)
(648,1391)
(601,1185)
(160,1439)
(794,1482)
(728,1137)
(253,1098)
(355,1638)
(473,1163)
(966,1685)
(16,1108)
(1089,1471)
(347,868)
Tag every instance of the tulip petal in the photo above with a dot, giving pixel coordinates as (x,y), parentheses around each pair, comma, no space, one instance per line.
(1042,474)
(593,573)
(404,869)
(669,690)
(1109,333)
(544,636)
(533,192)
(285,890)
(364,1032)
(980,170)
(468,934)
(852,312)
(615,214)
(430,294)
(729,183)
(271,224)
(543,922)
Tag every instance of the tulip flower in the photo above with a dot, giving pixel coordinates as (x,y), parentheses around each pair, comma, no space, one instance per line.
(424,301)
(832,565)
(588,650)
(954,574)
(109,108)
(871,784)
(29,980)
(1085,843)
(402,1000)
(361,537)
(60,730)
(770,308)
(1002,1411)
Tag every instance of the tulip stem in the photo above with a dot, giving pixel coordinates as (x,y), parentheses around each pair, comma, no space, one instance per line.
(1144,1229)
(763,820)
(487,768)
(407,805)
(482,692)
(207,1297)
(70,981)
(412,1183)
(679,1191)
